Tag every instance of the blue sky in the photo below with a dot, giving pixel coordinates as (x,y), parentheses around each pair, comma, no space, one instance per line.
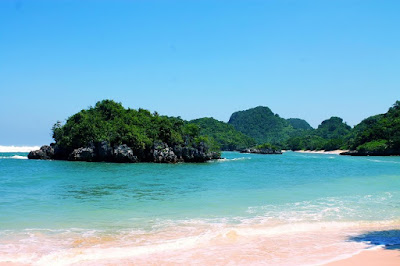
(305,59)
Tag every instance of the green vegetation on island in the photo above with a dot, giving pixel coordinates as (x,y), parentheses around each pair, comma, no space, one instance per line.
(228,138)
(111,129)
(331,134)
(378,135)
(109,132)
(263,125)
(298,123)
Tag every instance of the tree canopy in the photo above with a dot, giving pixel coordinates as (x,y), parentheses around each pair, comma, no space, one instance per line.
(331,134)
(379,132)
(224,134)
(262,124)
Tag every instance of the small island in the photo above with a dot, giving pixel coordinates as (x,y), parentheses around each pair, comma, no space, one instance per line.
(108,132)
(265,148)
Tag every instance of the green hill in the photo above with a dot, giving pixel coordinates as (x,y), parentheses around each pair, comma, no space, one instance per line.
(332,128)
(224,134)
(262,124)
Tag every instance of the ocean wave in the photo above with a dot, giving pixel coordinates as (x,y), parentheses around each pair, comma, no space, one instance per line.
(19,157)
(18,148)
(382,161)
(367,207)
(232,159)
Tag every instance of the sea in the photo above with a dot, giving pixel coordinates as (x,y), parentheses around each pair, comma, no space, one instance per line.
(245,209)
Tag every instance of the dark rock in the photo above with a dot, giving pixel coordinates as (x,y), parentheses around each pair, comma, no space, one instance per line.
(198,153)
(83,154)
(60,153)
(124,154)
(351,153)
(104,151)
(261,151)
(161,153)
(391,152)
(45,153)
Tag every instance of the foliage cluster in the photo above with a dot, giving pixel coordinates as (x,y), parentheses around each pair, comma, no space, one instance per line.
(225,135)
(379,132)
(266,146)
(298,123)
(331,134)
(263,125)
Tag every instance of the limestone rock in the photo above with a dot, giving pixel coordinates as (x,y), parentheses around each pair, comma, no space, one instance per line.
(45,153)
(124,154)
(83,154)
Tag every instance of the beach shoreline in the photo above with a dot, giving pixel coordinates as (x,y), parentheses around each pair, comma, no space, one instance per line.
(370,257)
(322,151)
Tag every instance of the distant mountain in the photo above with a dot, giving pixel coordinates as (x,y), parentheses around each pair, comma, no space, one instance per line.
(298,123)
(262,124)
(224,134)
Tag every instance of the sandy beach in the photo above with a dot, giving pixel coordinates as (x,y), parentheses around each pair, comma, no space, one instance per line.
(371,257)
(322,151)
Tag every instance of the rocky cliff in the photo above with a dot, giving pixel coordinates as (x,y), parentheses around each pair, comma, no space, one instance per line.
(103,152)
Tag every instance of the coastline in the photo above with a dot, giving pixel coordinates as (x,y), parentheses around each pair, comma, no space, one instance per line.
(376,256)
(322,151)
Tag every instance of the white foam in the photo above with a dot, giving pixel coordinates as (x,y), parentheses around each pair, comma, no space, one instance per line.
(14,157)
(18,148)
(77,255)
(233,159)
(380,161)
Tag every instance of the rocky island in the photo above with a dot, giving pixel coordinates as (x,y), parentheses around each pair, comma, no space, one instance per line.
(261,151)
(108,132)
(265,148)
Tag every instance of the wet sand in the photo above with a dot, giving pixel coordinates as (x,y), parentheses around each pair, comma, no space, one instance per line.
(380,256)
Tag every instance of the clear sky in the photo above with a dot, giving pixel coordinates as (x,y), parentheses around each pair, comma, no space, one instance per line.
(305,59)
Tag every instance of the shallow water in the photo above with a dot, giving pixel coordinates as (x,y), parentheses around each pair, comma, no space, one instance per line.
(245,209)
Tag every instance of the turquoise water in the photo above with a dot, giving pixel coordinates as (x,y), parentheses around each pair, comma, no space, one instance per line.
(134,203)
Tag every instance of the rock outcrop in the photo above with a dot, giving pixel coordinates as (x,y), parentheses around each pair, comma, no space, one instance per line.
(83,154)
(124,154)
(161,153)
(261,151)
(103,152)
(372,153)
(45,153)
